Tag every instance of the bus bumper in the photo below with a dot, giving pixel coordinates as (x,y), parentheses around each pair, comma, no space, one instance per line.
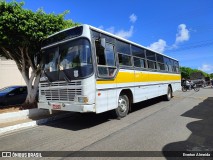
(67,107)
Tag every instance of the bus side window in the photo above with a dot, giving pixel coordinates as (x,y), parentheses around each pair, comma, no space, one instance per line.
(105,60)
(124,60)
(100,54)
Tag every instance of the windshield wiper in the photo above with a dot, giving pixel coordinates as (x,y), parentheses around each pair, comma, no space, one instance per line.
(65,75)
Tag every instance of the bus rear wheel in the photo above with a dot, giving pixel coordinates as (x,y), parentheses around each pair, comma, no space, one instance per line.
(123,107)
(168,96)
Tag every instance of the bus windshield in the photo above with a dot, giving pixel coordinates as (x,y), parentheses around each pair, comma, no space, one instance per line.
(72,56)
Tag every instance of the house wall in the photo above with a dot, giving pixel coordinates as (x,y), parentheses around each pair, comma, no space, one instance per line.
(9,74)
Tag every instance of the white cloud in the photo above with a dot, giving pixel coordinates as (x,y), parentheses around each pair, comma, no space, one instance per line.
(122,33)
(158,46)
(125,34)
(133,18)
(183,34)
(206,68)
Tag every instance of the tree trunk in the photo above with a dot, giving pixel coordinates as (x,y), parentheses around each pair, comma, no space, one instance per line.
(31,96)
(24,62)
(32,89)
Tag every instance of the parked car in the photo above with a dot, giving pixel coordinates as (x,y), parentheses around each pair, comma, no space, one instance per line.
(13,95)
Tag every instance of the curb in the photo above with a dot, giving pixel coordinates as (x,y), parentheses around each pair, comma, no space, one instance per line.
(24,114)
(32,123)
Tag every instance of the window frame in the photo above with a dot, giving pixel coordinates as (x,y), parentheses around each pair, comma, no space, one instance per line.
(122,65)
(144,51)
(160,62)
(145,63)
(155,65)
(108,67)
(119,51)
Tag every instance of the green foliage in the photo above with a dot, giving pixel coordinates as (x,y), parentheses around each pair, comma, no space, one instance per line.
(187,71)
(211,75)
(20,27)
(21,34)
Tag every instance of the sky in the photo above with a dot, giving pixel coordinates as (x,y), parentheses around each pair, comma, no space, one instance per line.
(182,29)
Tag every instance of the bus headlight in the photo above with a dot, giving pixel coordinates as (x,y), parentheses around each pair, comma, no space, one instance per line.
(83,100)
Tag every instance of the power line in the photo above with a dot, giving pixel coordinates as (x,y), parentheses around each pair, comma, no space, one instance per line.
(199,45)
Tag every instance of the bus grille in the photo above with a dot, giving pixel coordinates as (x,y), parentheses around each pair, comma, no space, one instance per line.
(74,83)
(61,91)
(61,94)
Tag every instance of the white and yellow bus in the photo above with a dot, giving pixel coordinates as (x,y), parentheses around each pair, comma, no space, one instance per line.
(86,69)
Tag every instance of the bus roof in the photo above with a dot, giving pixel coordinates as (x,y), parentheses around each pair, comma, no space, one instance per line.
(125,40)
(114,36)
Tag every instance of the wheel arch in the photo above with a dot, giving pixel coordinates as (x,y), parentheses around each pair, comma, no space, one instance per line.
(129,94)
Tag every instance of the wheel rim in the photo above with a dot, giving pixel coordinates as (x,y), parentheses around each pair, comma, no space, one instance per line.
(122,104)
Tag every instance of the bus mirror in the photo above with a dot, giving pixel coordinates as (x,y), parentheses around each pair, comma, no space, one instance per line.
(103,42)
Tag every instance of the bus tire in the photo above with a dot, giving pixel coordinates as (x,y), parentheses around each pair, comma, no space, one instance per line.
(123,107)
(168,96)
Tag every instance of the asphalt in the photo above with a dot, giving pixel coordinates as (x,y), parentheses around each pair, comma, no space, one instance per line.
(184,123)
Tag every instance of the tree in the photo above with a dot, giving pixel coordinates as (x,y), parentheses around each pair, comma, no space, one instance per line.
(187,71)
(21,35)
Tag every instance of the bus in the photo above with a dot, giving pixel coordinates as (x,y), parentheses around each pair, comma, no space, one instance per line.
(86,69)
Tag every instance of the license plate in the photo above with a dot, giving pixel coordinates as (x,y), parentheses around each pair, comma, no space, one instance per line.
(56,106)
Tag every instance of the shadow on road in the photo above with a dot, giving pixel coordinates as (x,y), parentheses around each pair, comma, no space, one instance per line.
(147,103)
(201,138)
(80,121)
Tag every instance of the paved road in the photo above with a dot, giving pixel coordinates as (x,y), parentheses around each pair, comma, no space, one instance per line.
(184,123)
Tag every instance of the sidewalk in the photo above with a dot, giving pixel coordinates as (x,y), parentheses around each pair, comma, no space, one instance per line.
(10,122)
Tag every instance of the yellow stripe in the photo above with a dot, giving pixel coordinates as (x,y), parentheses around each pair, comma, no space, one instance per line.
(127,77)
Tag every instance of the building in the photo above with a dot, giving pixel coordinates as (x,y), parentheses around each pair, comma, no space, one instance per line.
(9,74)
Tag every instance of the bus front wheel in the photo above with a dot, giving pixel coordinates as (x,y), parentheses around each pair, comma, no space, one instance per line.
(123,107)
